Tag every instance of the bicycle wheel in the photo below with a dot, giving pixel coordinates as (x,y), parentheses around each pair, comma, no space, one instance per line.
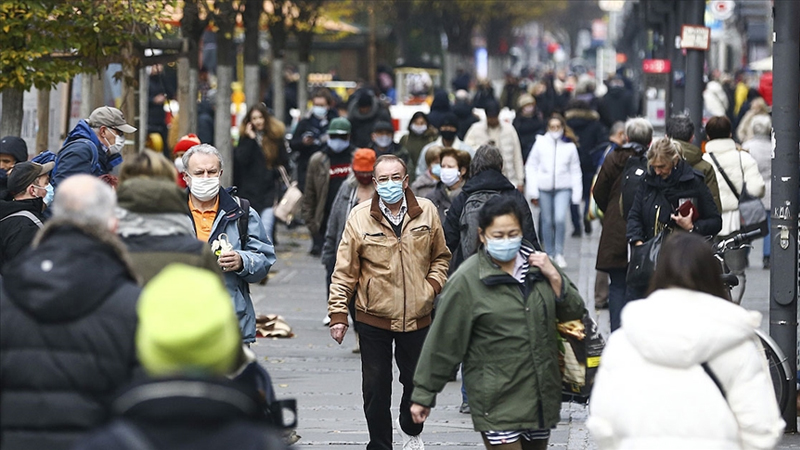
(779,370)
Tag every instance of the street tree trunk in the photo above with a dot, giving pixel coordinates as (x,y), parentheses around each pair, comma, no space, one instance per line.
(278,91)
(11,123)
(304,40)
(225,66)
(188,67)
(252,79)
(43,119)
(130,103)
(279,32)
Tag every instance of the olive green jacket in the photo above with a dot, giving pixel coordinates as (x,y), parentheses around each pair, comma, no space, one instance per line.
(507,342)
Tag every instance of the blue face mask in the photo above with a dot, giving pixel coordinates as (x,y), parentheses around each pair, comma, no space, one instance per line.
(48,198)
(503,250)
(338,145)
(320,111)
(390,192)
(436,170)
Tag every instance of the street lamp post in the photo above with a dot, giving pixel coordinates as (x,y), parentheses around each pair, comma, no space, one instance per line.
(693,99)
(785,186)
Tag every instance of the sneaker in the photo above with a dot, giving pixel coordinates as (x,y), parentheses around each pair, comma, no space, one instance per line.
(766,262)
(409,442)
(560,261)
(326,321)
(464,408)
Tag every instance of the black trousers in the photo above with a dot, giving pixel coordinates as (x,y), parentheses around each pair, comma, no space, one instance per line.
(376,381)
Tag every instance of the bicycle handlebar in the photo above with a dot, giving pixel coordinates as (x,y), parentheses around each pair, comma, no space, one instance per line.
(736,240)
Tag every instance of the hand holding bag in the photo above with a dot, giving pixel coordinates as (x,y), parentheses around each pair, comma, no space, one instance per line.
(286,209)
(580,347)
(644,258)
(752,213)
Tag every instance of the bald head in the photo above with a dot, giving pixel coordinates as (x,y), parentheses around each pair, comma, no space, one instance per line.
(85,200)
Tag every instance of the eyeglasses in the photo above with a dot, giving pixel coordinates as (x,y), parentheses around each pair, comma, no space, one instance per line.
(115,130)
(395,178)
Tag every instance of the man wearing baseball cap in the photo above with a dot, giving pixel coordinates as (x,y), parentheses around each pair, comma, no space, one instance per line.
(21,211)
(93,147)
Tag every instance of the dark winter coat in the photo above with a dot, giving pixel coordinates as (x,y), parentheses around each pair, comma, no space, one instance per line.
(657,196)
(617,105)
(694,156)
(396,150)
(466,118)
(442,197)
(254,180)
(440,107)
(77,158)
(183,414)
(155,226)
(527,130)
(316,128)
(612,252)
(590,132)
(16,233)
(67,326)
(362,125)
(489,179)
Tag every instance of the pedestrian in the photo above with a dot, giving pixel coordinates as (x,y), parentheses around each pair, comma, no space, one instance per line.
(669,183)
(311,132)
(447,139)
(154,218)
(741,169)
(233,230)
(363,112)
(327,170)
(183,144)
(462,108)
(188,341)
(13,150)
(426,183)
(420,133)
(554,183)
(67,323)
(440,107)
(492,311)
(505,139)
(715,100)
(617,104)
(383,143)
(452,176)
(760,148)
(686,369)
(528,123)
(21,211)
(681,130)
(756,107)
(160,90)
(485,176)
(261,151)
(94,146)
(589,133)
(393,259)
(612,251)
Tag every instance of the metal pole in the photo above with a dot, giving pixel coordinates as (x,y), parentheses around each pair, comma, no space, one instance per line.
(695,10)
(785,187)
(677,93)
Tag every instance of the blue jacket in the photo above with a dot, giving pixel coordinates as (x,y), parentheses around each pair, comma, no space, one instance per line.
(257,258)
(82,152)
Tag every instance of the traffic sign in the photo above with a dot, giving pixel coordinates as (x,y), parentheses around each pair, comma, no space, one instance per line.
(695,37)
(722,9)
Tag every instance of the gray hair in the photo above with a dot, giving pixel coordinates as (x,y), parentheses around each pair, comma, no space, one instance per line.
(762,125)
(639,130)
(206,149)
(85,200)
(616,127)
(486,157)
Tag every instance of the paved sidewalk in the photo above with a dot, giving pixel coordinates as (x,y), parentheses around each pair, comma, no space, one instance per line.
(325,378)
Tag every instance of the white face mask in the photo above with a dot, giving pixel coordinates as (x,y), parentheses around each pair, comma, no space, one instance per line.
(419,129)
(204,189)
(383,141)
(116,147)
(449,176)
(555,134)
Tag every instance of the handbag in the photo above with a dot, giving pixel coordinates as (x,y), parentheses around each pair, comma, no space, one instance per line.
(752,213)
(644,258)
(287,208)
(580,347)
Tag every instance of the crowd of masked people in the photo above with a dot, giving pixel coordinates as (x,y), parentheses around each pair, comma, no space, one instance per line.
(135,275)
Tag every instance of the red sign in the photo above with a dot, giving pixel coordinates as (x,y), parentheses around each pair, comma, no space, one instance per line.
(656,66)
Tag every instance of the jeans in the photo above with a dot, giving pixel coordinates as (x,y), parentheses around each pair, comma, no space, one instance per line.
(376,384)
(767,240)
(616,295)
(554,206)
(268,220)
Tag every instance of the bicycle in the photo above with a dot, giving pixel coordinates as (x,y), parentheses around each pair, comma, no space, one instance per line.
(779,371)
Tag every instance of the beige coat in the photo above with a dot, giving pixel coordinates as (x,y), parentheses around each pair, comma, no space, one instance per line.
(506,139)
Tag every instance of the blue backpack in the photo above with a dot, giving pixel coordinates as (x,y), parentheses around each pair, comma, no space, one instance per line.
(48,156)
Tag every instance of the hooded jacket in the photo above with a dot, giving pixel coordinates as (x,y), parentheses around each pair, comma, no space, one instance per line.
(506,140)
(362,125)
(590,132)
(553,164)
(440,106)
(154,224)
(17,232)
(655,359)
(414,143)
(254,180)
(67,326)
(463,111)
(82,152)
(528,128)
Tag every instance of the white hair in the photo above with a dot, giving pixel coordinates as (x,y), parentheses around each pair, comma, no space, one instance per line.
(206,149)
(85,200)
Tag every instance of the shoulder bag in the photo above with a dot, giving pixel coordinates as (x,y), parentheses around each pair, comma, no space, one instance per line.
(286,209)
(752,213)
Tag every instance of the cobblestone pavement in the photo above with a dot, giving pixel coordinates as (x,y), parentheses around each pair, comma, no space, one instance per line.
(325,378)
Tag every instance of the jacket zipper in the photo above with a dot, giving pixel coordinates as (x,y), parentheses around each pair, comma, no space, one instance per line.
(555,155)
(403,272)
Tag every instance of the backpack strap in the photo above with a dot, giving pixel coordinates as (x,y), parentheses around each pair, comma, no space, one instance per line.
(714,378)
(242,221)
(725,175)
(27,214)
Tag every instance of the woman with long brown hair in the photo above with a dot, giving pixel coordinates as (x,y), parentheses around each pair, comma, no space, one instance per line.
(260,152)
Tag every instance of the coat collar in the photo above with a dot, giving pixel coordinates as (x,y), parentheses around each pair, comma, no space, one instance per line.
(720,145)
(414,210)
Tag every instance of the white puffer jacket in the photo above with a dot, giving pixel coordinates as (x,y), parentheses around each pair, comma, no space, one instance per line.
(506,139)
(739,166)
(553,164)
(652,393)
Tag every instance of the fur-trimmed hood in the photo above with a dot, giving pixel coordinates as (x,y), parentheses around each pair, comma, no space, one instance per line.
(70,269)
(585,114)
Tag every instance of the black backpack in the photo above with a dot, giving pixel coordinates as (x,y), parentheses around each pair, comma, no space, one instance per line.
(632,175)
(468,222)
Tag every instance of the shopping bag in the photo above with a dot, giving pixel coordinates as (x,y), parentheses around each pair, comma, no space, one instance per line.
(580,346)
(752,213)
(643,261)
(287,208)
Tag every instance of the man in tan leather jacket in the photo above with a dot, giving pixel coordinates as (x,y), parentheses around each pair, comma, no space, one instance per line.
(393,258)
